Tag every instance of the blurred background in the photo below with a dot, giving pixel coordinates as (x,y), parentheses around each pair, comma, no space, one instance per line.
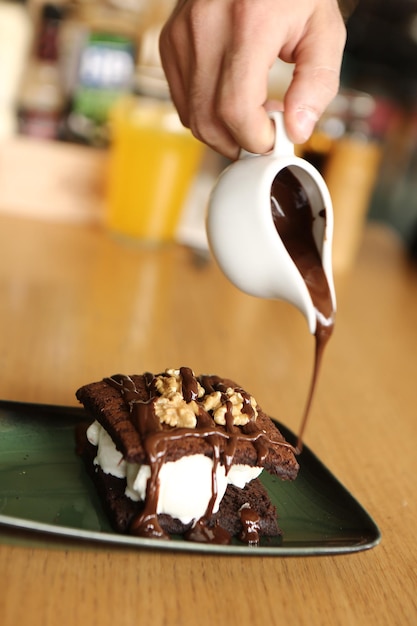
(86,123)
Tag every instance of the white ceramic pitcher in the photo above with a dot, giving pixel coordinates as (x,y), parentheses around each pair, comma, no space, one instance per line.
(242,234)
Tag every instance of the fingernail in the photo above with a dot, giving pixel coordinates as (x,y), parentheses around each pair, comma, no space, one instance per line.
(306,120)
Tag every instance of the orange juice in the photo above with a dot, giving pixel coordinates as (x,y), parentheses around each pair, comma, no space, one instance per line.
(153,161)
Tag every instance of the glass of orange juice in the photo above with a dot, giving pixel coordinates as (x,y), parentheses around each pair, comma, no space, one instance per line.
(153,162)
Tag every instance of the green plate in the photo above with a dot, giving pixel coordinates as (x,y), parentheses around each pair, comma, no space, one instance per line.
(44,489)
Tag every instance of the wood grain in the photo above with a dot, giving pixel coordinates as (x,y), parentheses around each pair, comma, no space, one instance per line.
(76,306)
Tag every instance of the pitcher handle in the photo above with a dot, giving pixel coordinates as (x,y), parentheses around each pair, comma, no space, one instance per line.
(282,145)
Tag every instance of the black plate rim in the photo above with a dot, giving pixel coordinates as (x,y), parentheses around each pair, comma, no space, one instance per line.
(115,539)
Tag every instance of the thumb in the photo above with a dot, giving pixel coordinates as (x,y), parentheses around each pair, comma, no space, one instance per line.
(314,84)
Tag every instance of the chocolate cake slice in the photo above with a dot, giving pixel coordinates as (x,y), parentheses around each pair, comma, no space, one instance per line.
(173,453)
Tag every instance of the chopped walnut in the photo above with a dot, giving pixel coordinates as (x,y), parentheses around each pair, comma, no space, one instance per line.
(172,409)
(175,411)
(213,403)
(172,383)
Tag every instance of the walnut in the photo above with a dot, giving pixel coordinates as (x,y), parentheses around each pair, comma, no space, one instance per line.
(214,403)
(172,409)
(172,383)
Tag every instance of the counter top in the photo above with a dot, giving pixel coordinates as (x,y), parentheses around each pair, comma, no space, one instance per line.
(76,305)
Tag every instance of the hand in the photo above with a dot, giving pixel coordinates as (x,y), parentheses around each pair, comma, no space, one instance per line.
(217,55)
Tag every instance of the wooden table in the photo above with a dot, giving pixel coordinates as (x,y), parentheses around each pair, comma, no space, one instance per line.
(76,306)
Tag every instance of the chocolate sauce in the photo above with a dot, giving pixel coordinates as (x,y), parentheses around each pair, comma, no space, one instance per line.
(250,526)
(156,439)
(201,532)
(293,219)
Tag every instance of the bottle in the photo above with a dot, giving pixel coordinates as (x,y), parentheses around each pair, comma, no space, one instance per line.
(41,99)
(99,47)
(15,39)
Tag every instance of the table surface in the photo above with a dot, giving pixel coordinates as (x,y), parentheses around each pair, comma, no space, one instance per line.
(76,305)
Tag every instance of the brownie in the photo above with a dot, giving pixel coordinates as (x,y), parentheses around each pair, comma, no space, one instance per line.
(154,419)
(106,404)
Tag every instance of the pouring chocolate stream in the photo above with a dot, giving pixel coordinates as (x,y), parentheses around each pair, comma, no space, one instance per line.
(270,226)
(293,219)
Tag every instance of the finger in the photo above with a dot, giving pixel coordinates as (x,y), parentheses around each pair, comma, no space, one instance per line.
(242,98)
(205,122)
(176,69)
(315,81)
(205,75)
(246,119)
(192,71)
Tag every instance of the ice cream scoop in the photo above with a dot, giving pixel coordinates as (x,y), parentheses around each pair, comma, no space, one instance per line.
(243,233)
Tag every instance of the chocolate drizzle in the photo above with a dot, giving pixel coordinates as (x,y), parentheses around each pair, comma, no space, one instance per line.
(293,219)
(250,526)
(156,438)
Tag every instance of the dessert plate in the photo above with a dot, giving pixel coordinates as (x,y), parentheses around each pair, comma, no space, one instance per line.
(46,495)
